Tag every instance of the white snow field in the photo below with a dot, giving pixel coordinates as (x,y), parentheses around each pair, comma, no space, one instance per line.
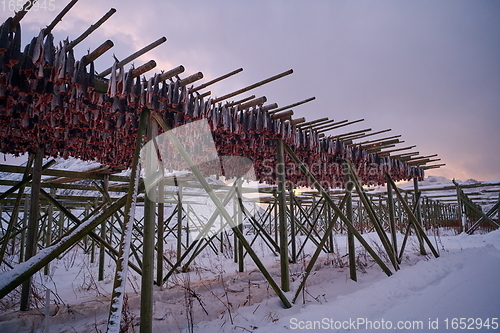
(459,289)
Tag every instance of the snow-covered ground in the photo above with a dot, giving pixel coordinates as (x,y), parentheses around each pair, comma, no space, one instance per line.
(427,294)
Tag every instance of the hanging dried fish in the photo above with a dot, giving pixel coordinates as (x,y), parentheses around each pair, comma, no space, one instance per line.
(15,47)
(4,35)
(112,81)
(49,51)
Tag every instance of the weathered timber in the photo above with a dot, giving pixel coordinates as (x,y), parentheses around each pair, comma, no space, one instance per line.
(252,103)
(190,79)
(220,78)
(59,16)
(90,30)
(97,52)
(283,228)
(250,87)
(31,241)
(294,105)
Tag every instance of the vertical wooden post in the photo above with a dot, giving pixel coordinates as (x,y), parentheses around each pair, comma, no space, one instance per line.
(179,221)
(148,249)
(236,243)
(350,237)
(330,237)
(61,224)
(292,226)
(187,224)
(222,234)
(283,230)
(86,238)
(239,225)
(461,210)
(159,237)
(392,219)
(360,217)
(418,215)
(498,210)
(100,276)
(31,240)
(92,242)
(48,229)
(27,200)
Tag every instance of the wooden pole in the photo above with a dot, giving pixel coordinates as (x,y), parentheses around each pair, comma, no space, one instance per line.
(148,247)
(143,68)
(268,107)
(235,238)
(190,79)
(418,215)
(350,237)
(298,121)
(405,157)
(378,150)
(319,125)
(250,87)
(282,115)
(159,237)
(388,152)
(311,122)
(20,14)
(179,221)
(292,225)
(392,220)
(48,228)
(90,30)
(294,105)
(342,124)
(364,143)
(363,135)
(346,134)
(239,221)
(59,17)
(97,52)
(102,252)
(380,144)
(246,99)
(134,55)
(171,73)
(252,103)
(203,86)
(31,241)
(283,229)
(22,245)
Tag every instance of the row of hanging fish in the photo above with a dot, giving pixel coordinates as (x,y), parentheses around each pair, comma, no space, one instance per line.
(49,99)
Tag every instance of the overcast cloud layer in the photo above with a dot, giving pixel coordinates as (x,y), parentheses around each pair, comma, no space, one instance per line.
(429,70)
